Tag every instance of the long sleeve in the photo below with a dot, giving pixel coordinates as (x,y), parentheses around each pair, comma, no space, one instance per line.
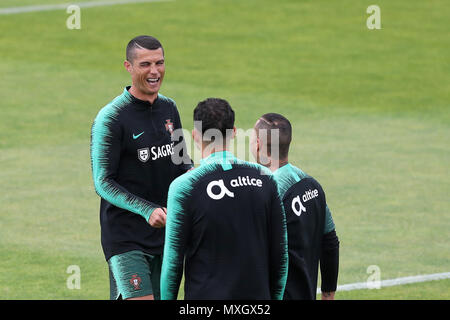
(329,261)
(177,226)
(105,158)
(278,247)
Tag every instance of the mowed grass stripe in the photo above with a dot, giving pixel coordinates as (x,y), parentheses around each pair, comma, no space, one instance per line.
(437,290)
(87,4)
(392,282)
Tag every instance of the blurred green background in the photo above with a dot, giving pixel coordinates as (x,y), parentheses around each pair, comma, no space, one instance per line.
(369,109)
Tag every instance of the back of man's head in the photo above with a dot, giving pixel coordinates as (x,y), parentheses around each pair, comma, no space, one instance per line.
(215,115)
(265,129)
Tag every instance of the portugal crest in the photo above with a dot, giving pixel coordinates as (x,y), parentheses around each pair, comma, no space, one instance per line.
(135,281)
(143,154)
(169,126)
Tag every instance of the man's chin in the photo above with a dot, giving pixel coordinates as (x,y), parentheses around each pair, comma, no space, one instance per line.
(145,90)
(153,89)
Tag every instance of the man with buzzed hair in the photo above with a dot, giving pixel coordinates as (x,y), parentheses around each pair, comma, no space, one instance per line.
(134,160)
(311,230)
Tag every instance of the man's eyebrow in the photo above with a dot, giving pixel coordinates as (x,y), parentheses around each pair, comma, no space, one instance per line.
(146,61)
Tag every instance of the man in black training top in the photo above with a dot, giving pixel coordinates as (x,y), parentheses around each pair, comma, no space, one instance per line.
(226,219)
(134,160)
(311,231)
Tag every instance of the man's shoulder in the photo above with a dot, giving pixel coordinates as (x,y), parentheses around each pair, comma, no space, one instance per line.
(299,172)
(290,172)
(113,108)
(255,167)
(184,181)
(287,177)
(167,100)
(192,176)
(291,179)
(304,176)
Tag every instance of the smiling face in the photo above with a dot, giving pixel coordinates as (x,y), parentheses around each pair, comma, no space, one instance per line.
(147,71)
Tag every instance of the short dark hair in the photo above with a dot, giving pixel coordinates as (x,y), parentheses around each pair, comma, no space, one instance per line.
(142,42)
(272,121)
(214,113)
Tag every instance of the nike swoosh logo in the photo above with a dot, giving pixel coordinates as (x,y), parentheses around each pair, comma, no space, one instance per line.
(137,136)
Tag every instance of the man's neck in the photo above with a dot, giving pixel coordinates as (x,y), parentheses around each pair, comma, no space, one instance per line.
(275,165)
(142,96)
(206,152)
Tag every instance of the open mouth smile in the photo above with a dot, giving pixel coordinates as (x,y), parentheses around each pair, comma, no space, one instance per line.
(152,81)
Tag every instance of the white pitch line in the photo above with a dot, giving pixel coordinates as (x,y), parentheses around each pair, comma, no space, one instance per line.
(393,282)
(90,4)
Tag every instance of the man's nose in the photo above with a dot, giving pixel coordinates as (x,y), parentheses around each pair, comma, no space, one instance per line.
(153,69)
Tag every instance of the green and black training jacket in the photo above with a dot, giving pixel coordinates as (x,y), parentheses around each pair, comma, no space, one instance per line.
(134,159)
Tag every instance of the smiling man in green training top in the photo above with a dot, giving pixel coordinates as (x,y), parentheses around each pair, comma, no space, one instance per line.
(133,163)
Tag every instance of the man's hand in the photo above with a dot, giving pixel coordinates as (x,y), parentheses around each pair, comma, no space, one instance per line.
(327,295)
(158,218)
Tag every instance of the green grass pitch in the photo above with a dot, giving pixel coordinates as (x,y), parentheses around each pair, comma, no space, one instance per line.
(370,111)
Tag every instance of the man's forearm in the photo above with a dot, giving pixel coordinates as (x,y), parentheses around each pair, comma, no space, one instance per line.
(120,197)
(329,263)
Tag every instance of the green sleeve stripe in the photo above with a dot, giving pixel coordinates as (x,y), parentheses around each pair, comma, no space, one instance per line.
(285,260)
(174,248)
(105,186)
(329,223)
(172,267)
(286,177)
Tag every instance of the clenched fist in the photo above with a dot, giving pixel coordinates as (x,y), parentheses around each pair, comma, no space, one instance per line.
(158,218)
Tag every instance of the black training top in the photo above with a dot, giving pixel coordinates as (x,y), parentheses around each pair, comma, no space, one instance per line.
(134,160)
(308,220)
(227,220)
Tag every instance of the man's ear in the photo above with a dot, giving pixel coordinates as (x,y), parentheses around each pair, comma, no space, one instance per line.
(197,138)
(127,65)
(234,133)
